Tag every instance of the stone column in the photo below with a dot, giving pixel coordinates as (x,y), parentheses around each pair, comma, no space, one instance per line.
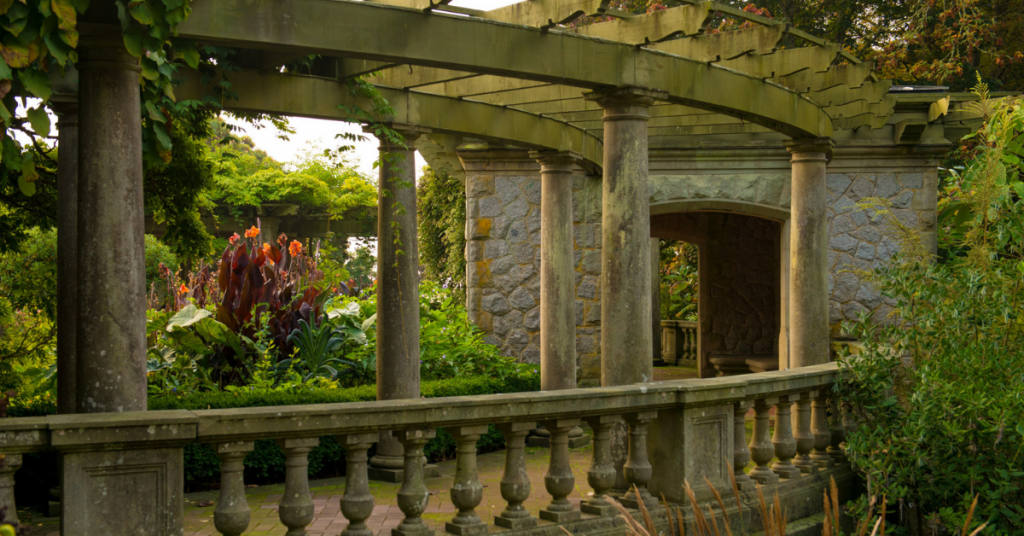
(557,275)
(808,276)
(65,103)
(656,350)
(398,309)
(110,341)
(625,242)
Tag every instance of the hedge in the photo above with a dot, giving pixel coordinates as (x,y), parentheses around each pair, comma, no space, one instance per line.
(266,462)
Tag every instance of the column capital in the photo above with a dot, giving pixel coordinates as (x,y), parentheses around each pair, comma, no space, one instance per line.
(410,132)
(556,161)
(625,96)
(810,149)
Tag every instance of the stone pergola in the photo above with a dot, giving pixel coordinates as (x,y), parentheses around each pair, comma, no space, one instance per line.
(577,147)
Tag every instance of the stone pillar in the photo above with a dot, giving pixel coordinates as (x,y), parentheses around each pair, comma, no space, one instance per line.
(808,279)
(398,308)
(625,241)
(557,274)
(656,350)
(784,295)
(110,340)
(65,103)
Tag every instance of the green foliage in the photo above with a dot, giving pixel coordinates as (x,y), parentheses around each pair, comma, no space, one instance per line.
(157,253)
(937,393)
(678,268)
(441,203)
(28,277)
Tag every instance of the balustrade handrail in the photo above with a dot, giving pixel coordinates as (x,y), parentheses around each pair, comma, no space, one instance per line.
(26,434)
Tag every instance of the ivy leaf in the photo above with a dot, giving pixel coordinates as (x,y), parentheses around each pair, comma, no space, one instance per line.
(5,87)
(162,136)
(191,57)
(15,26)
(70,37)
(5,5)
(27,187)
(133,40)
(66,14)
(37,82)
(16,56)
(154,113)
(142,13)
(5,72)
(39,120)
(58,49)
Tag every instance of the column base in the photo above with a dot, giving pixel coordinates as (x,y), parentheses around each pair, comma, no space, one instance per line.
(527,522)
(560,517)
(53,509)
(418,530)
(786,471)
(824,461)
(631,502)
(385,474)
(746,484)
(765,478)
(466,530)
(598,509)
(806,466)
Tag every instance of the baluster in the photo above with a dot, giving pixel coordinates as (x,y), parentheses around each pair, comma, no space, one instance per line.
(559,480)
(803,436)
(783,440)
(819,428)
(838,431)
(231,517)
(761,449)
(515,483)
(357,503)
(740,453)
(8,465)
(601,475)
(693,343)
(296,507)
(466,492)
(413,495)
(638,469)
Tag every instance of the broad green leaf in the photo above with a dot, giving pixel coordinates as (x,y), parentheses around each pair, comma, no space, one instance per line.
(16,56)
(188,315)
(154,113)
(58,49)
(162,136)
(37,82)
(191,57)
(27,187)
(133,40)
(66,14)
(40,120)
(142,13)
(28,168)
(5,71)
(5,5)
(190,341)
(369,322)
(70,37)
(80,5)
(15,26)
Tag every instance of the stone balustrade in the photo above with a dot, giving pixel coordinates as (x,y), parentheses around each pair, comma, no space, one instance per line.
(693,430)
(679,342)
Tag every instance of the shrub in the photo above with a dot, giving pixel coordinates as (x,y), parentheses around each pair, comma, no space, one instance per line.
(937,393)
(441,203)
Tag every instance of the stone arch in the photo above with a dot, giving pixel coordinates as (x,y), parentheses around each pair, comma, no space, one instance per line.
(765,195)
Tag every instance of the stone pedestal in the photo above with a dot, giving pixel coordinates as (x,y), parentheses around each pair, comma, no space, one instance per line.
(690,445)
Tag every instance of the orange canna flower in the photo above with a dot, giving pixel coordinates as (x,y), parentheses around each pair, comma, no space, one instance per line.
(233,239)
(253,232)
(295,248)
(266,248)
(183,289)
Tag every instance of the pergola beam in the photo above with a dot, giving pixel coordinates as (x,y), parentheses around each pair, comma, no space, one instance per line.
(308,96)
(353,29)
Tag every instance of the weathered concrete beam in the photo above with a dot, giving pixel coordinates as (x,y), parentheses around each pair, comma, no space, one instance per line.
(547,13)
(320,98)
(353,29)
(726,45)
(653,27)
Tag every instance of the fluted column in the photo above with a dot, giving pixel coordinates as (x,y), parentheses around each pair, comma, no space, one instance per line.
(783,440)
(296,508)
(808,266)
(231,516)
(802,434)
(110,365)
(413,495)
(638,470)
(761,448)
(820,431)
(626,344)
(466,492)
(740,453)
(357,503)
(515,482)
(398,309)
(559,480)
(601,475)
